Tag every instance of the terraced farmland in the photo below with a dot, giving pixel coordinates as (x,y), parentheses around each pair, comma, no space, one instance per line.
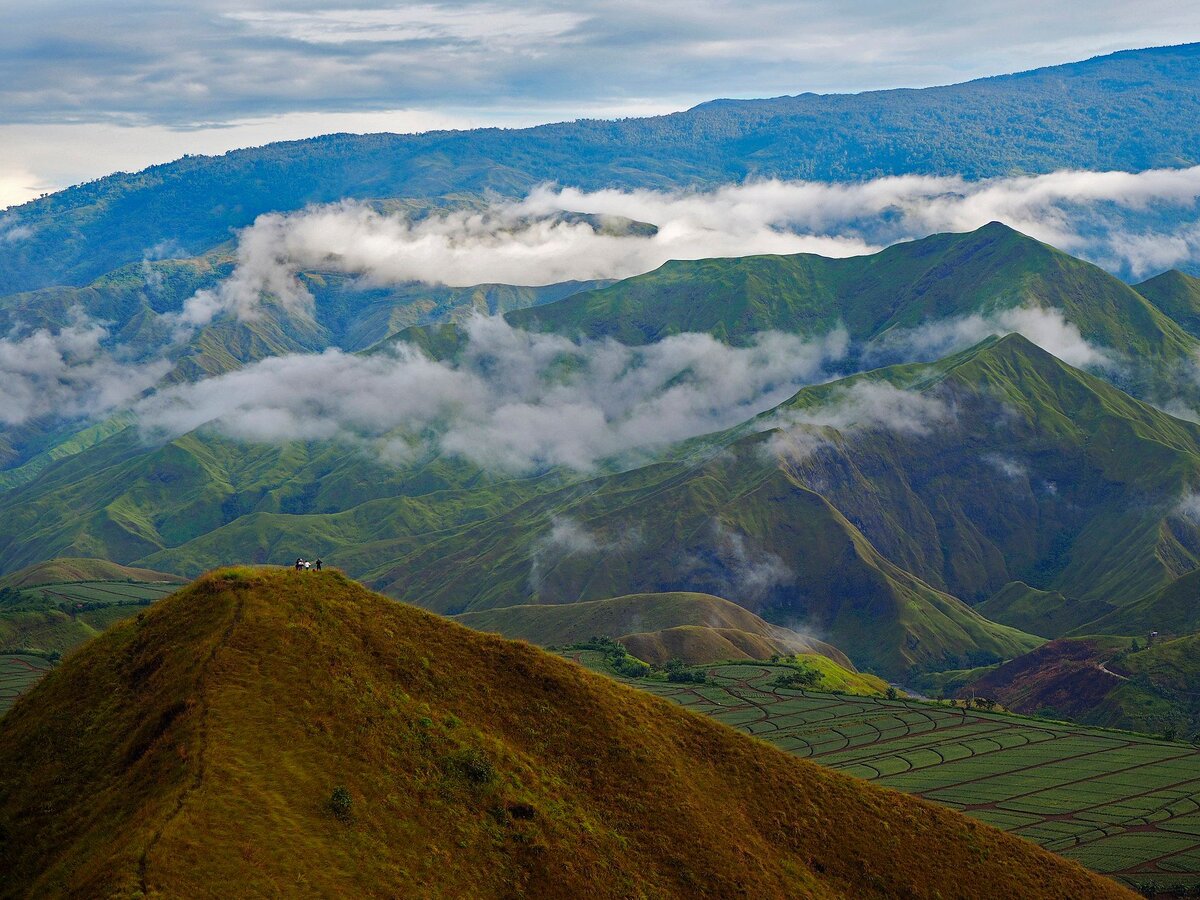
(18,673)
(119,593)
(1119,803)
(51,619)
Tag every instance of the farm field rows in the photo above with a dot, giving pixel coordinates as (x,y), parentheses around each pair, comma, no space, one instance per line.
(18,673)
(112,592)
(1120,803)
(51,619)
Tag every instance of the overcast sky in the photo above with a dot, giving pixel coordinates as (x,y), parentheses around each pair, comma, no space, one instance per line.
(92,86)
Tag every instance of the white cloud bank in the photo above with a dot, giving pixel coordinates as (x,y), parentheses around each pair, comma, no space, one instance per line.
(860,407)
(515,401)
(1045,327)
(1113,218)
(67,374)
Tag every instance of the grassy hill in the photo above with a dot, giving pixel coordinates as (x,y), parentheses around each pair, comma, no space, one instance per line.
(1178,296)
(902,287)
(53,571)
(697,628)
(1104,681)
(1074,492)
(1041,466)
(1077,493)
(1048,613)
(1172,610)
(264,732)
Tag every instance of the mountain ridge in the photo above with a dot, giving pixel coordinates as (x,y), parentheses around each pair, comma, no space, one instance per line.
(976,129)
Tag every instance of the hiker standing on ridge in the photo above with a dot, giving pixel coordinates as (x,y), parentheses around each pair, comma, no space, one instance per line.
(299,563)
(318,565)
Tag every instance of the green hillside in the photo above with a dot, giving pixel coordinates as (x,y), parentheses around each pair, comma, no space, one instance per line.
(201,752)
(1108,681)
(1027,471)
(1040,468)
(1171,610)
(1076,493)
(902,287)
(1047,613)
(1178,296)
(736,525)
(697,628)
(54,571)
(1088,513)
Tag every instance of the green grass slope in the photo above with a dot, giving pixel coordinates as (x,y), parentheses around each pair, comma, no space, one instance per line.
(1043,474)
(737,526)
(1047,613)
(673,621)
(1172,610)
(944,276)
(53,571)
(1177,294)
(199,752)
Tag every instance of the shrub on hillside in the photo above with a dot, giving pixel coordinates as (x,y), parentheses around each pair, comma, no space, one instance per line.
(799,677)
(473,766)
(341,804)
(678,673)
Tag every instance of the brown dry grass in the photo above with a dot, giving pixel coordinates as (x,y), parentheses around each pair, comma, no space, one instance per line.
(192,754)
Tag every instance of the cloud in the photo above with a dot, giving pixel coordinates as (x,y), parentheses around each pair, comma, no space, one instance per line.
(542,240)
(1188,507)
(515,401)
(12,229)
(735,566)
(863,406)
(1045,327)
(751,571)
(569,538)
(209,61)
(1007,466)
(68,374)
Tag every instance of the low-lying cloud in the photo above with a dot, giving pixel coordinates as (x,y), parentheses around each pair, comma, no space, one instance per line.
(1133,223)
(68,374)
(861,407)
(514,401)
(569,538)
(1045,327)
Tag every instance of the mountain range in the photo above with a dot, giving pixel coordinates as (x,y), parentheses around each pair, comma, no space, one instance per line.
(1126,111)
(1017,472)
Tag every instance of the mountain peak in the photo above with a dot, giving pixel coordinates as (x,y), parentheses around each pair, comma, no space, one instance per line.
(263,728)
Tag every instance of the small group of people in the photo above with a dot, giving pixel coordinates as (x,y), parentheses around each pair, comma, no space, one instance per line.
(304,565)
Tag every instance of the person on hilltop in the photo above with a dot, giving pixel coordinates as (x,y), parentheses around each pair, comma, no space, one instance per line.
(299,563)
(317,564)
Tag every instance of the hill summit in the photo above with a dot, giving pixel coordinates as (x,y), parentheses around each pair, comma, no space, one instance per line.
(265,732)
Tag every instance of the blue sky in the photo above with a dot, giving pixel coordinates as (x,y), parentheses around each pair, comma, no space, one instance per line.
(91,87)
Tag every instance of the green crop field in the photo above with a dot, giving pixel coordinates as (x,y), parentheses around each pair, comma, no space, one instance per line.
(1120,803)
(50,619)
(18,674)
(113,592)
